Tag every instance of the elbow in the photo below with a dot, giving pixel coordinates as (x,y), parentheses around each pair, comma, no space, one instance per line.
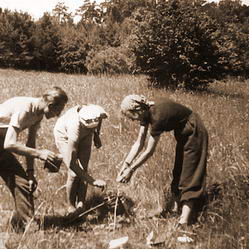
(138,146)
(9,146)
(149,153)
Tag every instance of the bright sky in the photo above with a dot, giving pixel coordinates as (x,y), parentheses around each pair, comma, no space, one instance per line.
(37,8)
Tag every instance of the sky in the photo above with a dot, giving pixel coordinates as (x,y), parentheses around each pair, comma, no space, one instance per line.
(37,8)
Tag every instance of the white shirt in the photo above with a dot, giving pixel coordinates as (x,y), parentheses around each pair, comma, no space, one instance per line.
(20,112)
(68,126)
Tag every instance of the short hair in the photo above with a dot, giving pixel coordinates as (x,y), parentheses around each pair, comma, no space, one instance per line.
(56,95)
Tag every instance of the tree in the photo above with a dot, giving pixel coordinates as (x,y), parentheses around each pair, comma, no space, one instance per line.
(174,45)
(60,11)
(177,43)
(73,49)
(15,39)
(90,13)
(45,41)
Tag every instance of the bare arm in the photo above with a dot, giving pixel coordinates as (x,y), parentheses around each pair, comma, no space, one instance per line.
(135,150)
(138,145)
(71,161)
(31,143)
(11,144)
(127,172)
(152,143)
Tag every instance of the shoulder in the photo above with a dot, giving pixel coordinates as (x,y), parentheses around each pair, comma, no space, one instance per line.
(73,109)
(20,101)
(70,118)
(22,112)
(163,102)
(70,113)
(20,105)
(28,103)
(166,104)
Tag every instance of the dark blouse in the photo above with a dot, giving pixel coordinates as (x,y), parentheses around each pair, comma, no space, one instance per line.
(166,115)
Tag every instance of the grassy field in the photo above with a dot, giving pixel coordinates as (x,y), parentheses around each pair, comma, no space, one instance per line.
(225,112)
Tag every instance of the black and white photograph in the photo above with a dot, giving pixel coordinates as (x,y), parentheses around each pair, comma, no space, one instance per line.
(124,124)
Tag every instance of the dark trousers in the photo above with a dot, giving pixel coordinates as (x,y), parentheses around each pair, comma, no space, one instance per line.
(16,179)
(190,160)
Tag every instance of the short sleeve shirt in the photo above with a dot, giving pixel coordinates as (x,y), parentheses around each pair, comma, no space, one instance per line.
(68,126)
(166,115)
(20,112)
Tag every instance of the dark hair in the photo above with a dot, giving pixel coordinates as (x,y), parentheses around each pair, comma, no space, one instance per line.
(56,96)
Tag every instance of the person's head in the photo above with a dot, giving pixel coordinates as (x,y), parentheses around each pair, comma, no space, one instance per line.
(135,106)
(90,115)
(55,101)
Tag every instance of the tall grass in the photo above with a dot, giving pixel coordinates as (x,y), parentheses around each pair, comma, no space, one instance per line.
(225,112)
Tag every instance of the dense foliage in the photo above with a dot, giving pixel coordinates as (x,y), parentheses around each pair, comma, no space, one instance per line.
(176,43)
(179,43)
(16,46)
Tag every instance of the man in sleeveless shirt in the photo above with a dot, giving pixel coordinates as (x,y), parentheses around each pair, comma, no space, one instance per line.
(16,115)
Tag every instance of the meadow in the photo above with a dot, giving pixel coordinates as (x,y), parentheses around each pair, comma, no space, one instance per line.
(224,108)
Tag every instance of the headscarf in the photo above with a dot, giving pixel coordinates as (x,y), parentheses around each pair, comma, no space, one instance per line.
(134,102)
(90,115)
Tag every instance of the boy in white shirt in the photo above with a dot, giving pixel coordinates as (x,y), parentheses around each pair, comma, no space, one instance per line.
(16,115)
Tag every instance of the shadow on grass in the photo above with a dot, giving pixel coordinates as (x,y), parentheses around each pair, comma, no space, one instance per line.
(97,209)
(221,201)
(224,200)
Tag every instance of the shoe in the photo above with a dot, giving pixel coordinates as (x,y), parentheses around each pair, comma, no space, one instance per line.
(175,207)
(185,233)
(71,209)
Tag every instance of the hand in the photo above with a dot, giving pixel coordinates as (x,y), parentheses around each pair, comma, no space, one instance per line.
(32,183)
(125,166)
(99,183)
(53,167)
(49,156)
(125,175)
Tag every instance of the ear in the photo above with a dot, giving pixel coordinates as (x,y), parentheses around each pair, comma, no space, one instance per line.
(50,105)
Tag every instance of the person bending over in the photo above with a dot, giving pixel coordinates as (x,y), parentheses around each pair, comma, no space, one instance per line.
(164,115)
(16,115)
(74,132)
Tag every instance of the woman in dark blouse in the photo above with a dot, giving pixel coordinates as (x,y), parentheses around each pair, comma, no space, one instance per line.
(191,150)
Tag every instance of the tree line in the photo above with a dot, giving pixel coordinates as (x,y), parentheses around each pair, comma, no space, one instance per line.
(187,43)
